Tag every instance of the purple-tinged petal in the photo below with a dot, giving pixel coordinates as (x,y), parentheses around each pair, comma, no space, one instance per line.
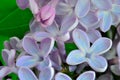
(33,6)
(44,64)
(64,37)
(69,23)
(116,2)
(118,30)
(72,68)
(88,75)
(116,9)
(62,76)
(39,36)
(103,4)
(11,58)
(72,3)
(106,77)
(30,45)
(101,46)
(27,61)
(26,74)
(115,69)
(93,35)
(90,21)
(5,55)
(13,42)
(106,21)
(115,19)
(46,46)
(4,71)
(22,4)
(118,49)
(46,74)
(98,63)
(7,45)
(53,29)
(75,57)
(82,8)
(81,40)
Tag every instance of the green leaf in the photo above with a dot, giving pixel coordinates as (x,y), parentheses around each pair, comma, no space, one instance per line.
(13,21)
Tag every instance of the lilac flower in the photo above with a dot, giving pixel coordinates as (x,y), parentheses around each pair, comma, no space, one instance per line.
(106,76)
(9,58)
(88,75)
(46,74)
(108,12)
(88,54)
(38,53)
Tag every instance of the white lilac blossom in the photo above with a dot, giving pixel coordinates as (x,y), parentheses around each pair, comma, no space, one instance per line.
(38,53)
(9,58)
(108,12)
(88,75)
(88,54)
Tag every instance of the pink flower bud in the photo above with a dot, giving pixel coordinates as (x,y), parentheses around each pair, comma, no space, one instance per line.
(46,15)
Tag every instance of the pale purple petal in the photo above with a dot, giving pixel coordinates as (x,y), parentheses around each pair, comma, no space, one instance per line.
(7,45)
(81,40)
(11,58)
(46,46)
(116,9)
(23,4)
(27,61)
(101,46)
(106,21)
(64,37)
(26,74)
(82,8)
(115,69)
(93,35)
(62,76)
(46,74)
(72,68)
(88,75)
(118,30)
(13,42)
(53,29)
(98,63)
(72,2)
(75,57)
(4,71)
(5,55)
(118,49)
(69,23)
(106,77)
(103,4)
(117,2)
(33,6)
(90,21)
(44,64)
(39,36)
(30,45)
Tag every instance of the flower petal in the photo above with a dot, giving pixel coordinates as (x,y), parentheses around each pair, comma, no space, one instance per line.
(4,71)
(30,45)
(43,64)
(62,76)
(11,58)
(26,74)
(5,55)
(75,57)
(106,77)
(46,46)
(115,69)
(27,61)
(106,21)
(93,35)
(103,4)
(116,9)
(33,6)
(98,63)
(101,46)
(118,49)
(90,21)
(88,75)
(46,74)
(13,42)
(22,4)
(69,23)
(82,8)
(81,40)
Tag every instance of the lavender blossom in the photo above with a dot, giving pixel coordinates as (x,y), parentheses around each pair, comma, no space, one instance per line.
(88,54)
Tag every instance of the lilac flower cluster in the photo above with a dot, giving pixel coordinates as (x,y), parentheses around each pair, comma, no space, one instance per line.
(41,54)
